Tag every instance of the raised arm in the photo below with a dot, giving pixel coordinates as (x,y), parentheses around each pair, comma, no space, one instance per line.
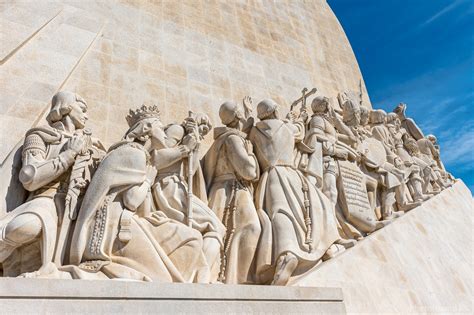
(241,157)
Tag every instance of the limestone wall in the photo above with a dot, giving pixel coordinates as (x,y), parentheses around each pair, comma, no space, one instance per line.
(181,55)
(421,263)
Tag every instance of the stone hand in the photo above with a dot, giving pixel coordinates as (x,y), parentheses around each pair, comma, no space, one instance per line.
(292,115)
(75,144)
(304,116)
(248,108)
(151,172)
(190,142)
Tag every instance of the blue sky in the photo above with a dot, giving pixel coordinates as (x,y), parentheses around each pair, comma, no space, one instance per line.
(420,52)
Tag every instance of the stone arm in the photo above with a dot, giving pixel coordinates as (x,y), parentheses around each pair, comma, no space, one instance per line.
(434,150)
(298,129)
(37,171)
(163,158)
(345,133)
(242,159)
(378,134)
(135,196)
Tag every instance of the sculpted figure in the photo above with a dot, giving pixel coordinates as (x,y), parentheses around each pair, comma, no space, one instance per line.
(373,160)
(404,161)
(354,200)
(301,218)
(171,190)
(429,149)
(230,169)
(433,180)
(382,133)
(58,160)
(407,123)
(120,234)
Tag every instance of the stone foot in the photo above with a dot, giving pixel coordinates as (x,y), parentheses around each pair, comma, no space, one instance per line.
(346,243)
(285,266)
(46,271)
(409,206)
(333,251)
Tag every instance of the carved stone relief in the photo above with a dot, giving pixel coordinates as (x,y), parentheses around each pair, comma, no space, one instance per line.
(268,201)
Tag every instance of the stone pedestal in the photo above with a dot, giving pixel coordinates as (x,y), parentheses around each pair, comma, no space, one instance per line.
(43,296)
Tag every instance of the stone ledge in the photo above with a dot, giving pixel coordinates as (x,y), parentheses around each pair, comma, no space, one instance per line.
(84,296)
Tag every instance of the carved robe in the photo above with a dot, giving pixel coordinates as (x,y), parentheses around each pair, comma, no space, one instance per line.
(171,193)
(113,241)
(45,174)
(229,170)
(281,193)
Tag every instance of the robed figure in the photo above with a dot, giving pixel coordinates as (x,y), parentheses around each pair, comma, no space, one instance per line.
(302,221)
(118,233)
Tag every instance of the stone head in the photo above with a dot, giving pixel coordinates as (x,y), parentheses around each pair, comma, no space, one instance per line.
(432,139)
(145,124)
(320,105)
(68,105)
(392,118)
(230,114)
(267,109)
(377,116)
(410,144)
(364,115)
(351,113)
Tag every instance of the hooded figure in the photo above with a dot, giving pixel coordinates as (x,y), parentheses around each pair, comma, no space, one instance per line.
(230,168)
(302,221)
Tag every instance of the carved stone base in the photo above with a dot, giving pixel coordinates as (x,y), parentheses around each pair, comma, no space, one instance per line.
(44,296)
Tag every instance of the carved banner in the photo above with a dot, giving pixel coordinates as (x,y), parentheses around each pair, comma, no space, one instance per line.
(353,197)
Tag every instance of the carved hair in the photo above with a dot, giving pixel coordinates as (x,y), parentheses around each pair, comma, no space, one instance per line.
(320,104)
(391,117)
(61,105)
(432,138)
(266,108)
(364,115)
(377,116)
(228,112)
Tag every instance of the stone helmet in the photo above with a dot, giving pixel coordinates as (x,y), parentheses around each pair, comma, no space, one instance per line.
(432,138)
(364,115)
(265,108)
(377,116)
(61,105)
(228,112)
(320,104)
(391,117)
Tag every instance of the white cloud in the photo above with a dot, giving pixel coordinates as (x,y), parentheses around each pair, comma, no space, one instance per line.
(440,13)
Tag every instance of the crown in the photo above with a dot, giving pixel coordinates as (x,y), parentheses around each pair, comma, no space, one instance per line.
(141,113)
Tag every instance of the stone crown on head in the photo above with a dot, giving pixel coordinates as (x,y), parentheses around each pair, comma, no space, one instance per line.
(141,113)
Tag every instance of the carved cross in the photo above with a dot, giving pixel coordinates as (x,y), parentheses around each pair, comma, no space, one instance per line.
(303,98)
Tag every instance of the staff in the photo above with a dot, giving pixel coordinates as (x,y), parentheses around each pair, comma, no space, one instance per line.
(189,212)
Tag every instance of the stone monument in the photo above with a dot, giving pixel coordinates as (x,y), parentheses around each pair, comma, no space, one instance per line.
(131,171)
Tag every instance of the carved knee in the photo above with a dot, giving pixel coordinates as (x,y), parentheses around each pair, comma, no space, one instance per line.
(23,229)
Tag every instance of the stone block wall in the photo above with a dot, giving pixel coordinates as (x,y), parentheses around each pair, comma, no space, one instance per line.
(180,55)
(421,263)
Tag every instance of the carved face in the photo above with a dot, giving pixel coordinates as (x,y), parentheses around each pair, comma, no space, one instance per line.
(78,114)
(157,135)
(350,113)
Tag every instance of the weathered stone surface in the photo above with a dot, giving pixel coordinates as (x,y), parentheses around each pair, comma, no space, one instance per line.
(421,263)
(179,55)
